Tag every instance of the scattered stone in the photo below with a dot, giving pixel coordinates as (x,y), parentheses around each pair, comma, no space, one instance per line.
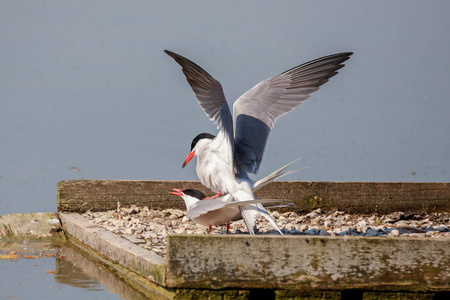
(394,232)
(149,227)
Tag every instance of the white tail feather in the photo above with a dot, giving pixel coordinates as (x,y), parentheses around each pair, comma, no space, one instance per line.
(274,176)
(250,212)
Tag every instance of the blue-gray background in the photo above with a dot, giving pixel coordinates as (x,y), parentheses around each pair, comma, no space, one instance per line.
(86,91)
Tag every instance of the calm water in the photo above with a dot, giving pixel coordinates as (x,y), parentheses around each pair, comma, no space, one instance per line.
(86,91)
(74,277)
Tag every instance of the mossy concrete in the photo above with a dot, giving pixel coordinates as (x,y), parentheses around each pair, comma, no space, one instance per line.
(118,250)
(308,262)
(44,227)
(247,267)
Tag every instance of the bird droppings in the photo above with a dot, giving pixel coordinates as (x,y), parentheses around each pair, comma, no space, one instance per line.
(149,227)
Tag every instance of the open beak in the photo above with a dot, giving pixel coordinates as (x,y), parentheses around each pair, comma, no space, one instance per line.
(188,158)
(177,192)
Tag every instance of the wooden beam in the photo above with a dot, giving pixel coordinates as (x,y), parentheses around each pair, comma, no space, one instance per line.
(353,197)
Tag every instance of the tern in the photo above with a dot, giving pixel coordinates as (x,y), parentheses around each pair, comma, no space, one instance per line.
(223,161)
(215,211)
(220,210)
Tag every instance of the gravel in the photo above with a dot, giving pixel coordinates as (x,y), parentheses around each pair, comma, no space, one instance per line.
(149,227)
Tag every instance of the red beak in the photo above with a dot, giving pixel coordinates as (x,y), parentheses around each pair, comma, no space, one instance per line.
(177,192)
(188,158)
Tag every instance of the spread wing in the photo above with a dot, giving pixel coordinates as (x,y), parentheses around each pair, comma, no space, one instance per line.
(256,111)
(208,92)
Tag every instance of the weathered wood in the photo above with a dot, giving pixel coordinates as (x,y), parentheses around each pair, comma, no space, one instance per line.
(308,263)
(102,195)
(353,197)
(145,263)
(364,197)
(30,226)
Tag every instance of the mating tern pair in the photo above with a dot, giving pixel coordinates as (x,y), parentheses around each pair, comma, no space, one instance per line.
(223,161)
(221,210)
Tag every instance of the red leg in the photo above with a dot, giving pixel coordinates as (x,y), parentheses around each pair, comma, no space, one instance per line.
(228,228)
(210,227)
(215,196)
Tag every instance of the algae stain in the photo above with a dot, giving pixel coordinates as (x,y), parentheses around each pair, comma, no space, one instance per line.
(315,201)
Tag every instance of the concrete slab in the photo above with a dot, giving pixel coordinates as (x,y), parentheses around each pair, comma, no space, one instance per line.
(308,263)
(117,249)
(30,226)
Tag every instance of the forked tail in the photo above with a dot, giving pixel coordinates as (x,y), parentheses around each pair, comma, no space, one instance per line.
(274,176)
(250,212)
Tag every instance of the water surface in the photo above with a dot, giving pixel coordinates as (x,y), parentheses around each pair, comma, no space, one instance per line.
(58,272)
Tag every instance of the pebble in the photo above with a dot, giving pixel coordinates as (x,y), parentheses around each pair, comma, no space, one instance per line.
(149,227)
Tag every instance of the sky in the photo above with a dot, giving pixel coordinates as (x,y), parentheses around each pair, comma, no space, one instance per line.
(87,92)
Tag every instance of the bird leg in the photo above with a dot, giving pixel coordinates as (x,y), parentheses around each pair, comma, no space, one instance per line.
(215,196)
(210,228)
(228,228)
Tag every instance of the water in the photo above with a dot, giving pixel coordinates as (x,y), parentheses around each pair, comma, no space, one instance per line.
(86,91)
(75,276)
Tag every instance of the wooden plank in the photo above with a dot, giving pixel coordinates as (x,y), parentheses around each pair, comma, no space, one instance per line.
(364,197)
(308,263)
(122,252)
(101,195)
(352,197)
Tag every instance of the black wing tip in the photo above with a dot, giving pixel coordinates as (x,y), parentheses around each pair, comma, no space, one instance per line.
(173,54)
(338,58)
(186,64)
(178,58)
(345,55)
(342,55)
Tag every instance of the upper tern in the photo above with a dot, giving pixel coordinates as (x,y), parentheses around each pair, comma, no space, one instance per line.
(223,161)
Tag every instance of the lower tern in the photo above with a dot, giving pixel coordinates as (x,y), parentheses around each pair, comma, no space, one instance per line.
(213,212)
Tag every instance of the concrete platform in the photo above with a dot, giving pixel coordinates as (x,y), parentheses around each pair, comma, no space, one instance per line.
(308,262)
(305,263)
(261,267)
(241,266)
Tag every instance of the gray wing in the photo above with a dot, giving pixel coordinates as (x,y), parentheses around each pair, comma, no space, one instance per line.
(208,92)
(207,205)
(256,111)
